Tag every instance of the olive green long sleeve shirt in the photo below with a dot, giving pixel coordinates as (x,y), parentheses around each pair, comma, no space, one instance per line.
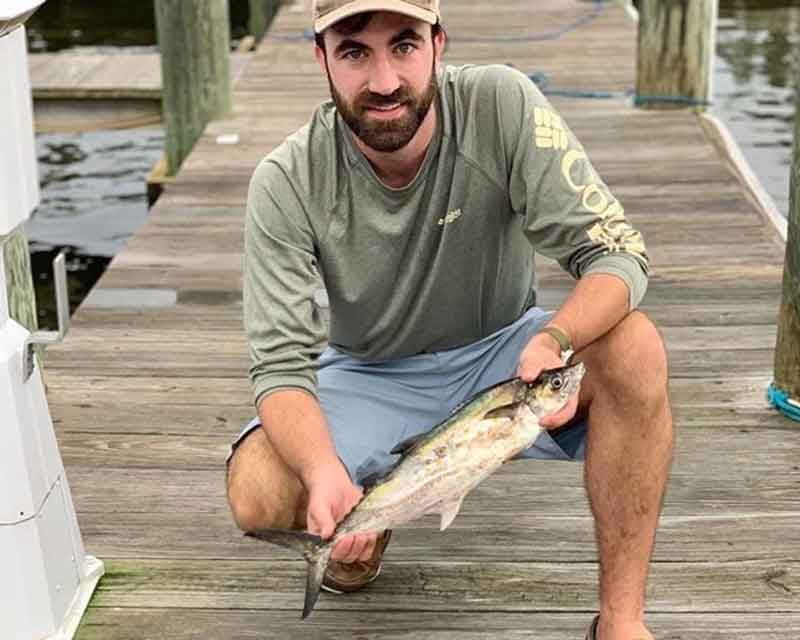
(440,263)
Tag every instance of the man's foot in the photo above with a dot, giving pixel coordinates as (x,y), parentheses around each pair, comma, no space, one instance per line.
(636,631)
(343,577)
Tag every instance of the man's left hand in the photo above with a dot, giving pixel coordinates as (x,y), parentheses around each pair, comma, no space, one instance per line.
(543,352)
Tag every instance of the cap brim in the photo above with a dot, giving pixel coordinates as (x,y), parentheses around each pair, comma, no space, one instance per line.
(395,6)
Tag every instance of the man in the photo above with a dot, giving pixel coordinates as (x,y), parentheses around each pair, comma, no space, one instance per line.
(420,193)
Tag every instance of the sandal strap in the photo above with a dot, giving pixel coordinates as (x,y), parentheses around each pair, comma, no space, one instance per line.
(591,634)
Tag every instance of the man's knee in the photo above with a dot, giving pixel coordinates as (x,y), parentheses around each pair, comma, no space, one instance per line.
(247,513)
(261,492)
(245,507)
(634,361)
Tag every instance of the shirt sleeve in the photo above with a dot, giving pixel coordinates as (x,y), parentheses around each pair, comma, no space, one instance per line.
(569,213)
(285,328)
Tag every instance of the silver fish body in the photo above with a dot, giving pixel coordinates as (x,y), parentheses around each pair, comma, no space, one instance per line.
(440,467)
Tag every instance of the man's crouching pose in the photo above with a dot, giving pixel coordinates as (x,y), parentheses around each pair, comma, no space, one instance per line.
(420,193)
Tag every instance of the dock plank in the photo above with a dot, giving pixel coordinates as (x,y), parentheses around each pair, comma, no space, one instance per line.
(171,624)
(726,538)
(68,75)
(492,587)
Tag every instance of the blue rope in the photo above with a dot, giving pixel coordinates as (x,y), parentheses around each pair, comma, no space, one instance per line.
(539,78)
(308,34)
(780,400)
(543,81)
(693,102)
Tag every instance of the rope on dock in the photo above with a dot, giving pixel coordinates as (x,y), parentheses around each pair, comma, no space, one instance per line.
(639,100)
(779,399)
(542,80)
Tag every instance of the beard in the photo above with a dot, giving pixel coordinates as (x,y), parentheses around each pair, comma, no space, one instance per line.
(386,135)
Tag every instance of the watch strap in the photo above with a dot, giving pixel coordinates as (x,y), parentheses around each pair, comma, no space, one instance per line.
(559,336)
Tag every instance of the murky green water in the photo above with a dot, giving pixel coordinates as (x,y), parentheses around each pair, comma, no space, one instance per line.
(71,24)
(755,75)
(93,198)
(93,183)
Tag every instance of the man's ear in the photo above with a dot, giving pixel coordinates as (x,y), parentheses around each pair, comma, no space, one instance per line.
(319,54)
(440,40)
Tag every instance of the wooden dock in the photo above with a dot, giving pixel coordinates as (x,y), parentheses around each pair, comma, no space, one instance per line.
(150,387)
(68,75)
(86,91)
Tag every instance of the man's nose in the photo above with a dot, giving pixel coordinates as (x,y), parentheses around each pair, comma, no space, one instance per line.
(383,78)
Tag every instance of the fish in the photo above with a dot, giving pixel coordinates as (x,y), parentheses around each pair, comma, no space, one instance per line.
(439,467)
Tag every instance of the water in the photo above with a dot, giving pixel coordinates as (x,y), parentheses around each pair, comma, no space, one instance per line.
(93,199)
(754,85)
(78,24)
(93,184)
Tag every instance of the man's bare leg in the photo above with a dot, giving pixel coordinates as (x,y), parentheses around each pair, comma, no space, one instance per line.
(628,457)
(263,492)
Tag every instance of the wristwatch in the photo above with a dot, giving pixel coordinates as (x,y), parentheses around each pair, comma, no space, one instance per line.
(562,339)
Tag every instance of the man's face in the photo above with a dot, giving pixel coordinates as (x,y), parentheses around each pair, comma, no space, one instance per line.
(382,78)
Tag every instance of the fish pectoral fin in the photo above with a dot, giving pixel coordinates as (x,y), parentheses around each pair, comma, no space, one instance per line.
(408,444)
(506,411)
(449,511)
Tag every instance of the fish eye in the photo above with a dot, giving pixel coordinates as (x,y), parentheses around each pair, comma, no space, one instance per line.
(557,382)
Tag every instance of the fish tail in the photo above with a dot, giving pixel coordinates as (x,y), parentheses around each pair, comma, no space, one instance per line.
(315,551)
(316,572)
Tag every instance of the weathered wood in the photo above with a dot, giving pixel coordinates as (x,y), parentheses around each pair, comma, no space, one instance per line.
(727,538)
(787,347)
(182,624)
(702,352)
(538,488)
(740,391)
(194,41)
(445,586)
(62,76)
(19,281)
(208,420)
(676,53)
(155,445)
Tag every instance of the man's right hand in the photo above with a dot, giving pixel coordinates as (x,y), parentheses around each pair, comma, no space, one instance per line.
(331,496)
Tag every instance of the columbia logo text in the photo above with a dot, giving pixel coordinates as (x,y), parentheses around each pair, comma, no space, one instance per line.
(450,217)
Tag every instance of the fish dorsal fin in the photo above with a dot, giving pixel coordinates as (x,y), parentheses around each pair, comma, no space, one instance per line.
(404,447)
(506,411)
(449,512)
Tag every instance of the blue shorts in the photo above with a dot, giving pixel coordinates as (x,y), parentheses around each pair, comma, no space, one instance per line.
(372,406)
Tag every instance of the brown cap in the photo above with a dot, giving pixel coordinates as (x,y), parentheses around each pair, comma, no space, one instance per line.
(326,12)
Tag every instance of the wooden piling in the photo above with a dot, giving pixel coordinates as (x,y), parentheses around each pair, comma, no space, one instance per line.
(676,53)
(194,39)
(261,14)
(787,346)
(19,282)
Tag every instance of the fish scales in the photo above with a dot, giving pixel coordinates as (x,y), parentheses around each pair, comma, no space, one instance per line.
(440,467)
